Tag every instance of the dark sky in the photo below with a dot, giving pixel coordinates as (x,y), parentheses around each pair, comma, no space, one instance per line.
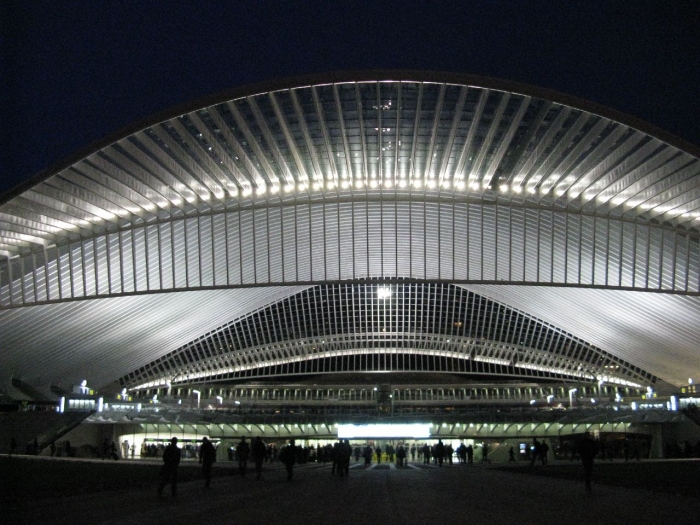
(73,71)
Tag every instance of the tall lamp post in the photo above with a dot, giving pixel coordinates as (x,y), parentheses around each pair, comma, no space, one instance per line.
(199,394)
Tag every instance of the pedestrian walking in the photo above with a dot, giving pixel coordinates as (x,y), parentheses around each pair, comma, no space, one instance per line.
(288,456)
(242,453)
(587,449)
(207,457)
(258,452)
(168,472)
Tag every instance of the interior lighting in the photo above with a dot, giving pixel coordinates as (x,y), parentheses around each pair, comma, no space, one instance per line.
(445,184)
(504,187)
(199,396)
(383,292)
(289,188)
(261,190)
(359,184)
(384,430)
(246,191)
(345,185)
(475,186)
(460,185)
(374,184)
(417,184)
(517,189)
(330,184)
(430,184)
(302,187)
(274,189)
(317,186)
(388,183)
(402,184)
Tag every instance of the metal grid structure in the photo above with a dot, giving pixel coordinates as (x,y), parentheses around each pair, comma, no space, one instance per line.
(411,327)
(396,176)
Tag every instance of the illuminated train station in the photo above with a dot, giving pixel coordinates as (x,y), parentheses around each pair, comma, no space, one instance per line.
(385,256)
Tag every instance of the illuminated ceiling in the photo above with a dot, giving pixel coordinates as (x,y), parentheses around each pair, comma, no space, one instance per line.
(571,213)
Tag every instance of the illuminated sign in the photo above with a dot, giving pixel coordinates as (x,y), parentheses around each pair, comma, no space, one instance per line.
(414,430)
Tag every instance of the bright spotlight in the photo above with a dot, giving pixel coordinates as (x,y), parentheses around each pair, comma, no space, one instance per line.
(383,292)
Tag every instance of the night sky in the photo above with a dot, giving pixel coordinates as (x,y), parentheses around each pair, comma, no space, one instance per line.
(74,71)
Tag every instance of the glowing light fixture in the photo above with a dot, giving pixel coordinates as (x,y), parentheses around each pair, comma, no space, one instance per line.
(199,396)
(383,292)
(410,430)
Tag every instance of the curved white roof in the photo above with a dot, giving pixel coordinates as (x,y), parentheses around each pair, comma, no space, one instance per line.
(566,211)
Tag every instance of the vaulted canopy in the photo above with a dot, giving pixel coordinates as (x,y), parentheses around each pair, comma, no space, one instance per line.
(149,246)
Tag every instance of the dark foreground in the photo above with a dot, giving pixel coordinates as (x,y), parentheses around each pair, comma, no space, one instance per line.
(383,494)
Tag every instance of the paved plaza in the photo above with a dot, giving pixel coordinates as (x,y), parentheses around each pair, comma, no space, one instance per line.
(381,494)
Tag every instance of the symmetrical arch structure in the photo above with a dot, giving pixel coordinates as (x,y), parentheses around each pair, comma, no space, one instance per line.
(417,327)
(216,217)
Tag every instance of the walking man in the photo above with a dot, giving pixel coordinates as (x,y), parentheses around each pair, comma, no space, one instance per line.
(242,452)
(587,449)
(207,456)
(288,456)
(258,451)
(168,472)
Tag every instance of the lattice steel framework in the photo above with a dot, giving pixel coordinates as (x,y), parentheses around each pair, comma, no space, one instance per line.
(410,327)
(349,177)
(346,180)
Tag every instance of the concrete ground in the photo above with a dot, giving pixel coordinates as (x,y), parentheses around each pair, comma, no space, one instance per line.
(381,494)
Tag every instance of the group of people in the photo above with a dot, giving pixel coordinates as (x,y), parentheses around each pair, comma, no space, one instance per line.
(257,450)
(340,453)
(539,451)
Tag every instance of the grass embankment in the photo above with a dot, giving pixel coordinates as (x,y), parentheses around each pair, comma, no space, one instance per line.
(669,477)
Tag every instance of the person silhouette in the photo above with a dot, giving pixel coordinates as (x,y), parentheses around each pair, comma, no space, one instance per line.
(258,451)
(242,452)
(288,456)
(168,472)
(440,452)
(587,449)
(207,456)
